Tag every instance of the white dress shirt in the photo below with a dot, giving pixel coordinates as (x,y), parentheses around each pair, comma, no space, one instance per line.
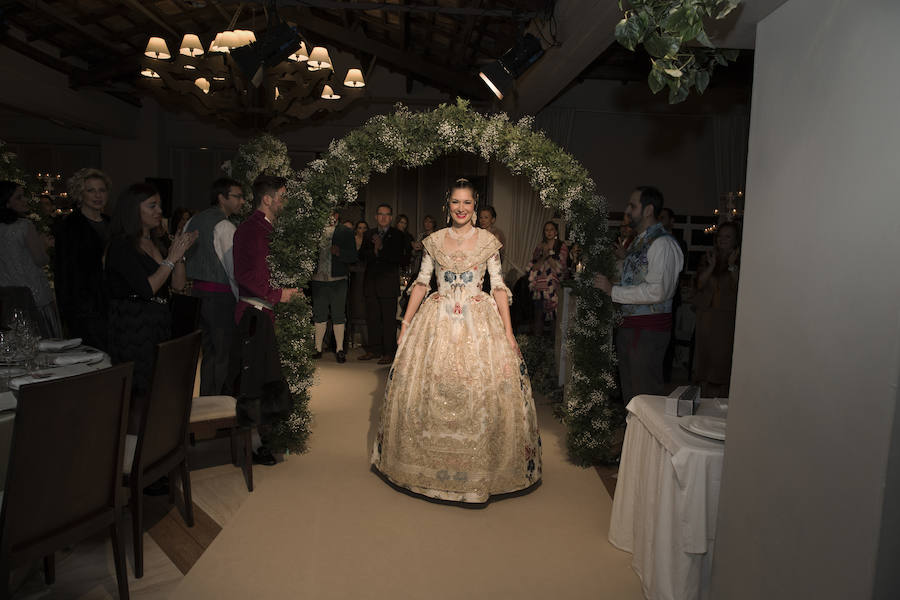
(664,262)
(223,243)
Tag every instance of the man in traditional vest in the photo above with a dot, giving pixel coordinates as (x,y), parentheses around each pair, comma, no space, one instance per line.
(649,279)
(210,263)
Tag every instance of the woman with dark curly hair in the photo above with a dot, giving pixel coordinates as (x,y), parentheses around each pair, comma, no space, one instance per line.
(24,253)
(78,261)
(140,267)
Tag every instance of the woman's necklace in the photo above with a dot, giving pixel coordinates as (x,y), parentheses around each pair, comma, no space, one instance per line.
(460,236)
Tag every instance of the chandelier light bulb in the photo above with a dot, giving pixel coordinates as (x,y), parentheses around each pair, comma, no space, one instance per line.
(156,48)
(190,45)
(203,84)
(354,79)
(149,74)
(190,67)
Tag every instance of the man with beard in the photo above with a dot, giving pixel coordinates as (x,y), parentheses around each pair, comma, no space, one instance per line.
(649,279)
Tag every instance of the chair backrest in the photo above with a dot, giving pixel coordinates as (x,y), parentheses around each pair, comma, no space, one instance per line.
(185,314)
(164,426)
(65,473)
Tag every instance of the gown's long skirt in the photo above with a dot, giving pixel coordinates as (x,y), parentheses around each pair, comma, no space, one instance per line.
(458,420)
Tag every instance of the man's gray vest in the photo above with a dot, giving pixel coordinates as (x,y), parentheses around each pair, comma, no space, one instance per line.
(201,259)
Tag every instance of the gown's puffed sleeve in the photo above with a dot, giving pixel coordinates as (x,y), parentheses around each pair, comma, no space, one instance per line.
(425,271)
(496,274)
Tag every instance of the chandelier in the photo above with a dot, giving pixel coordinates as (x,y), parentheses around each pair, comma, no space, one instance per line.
(252,81)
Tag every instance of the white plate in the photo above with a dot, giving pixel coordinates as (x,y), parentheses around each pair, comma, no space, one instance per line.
(708,427)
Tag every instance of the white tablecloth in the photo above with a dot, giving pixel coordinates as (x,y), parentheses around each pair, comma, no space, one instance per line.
(666,501)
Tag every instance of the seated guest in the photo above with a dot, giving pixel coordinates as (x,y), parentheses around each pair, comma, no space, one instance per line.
(210,266)
(24,252)
(716,303)
(328,285)
(81,240)
(140,267)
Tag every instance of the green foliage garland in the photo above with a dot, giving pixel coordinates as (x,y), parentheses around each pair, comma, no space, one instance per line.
(413,139)
(664,27)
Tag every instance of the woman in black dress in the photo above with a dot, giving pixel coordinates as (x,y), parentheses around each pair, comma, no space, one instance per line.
(78,260)
(140,268)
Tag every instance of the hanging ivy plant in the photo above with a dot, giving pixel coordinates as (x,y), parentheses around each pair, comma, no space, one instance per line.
(663,28)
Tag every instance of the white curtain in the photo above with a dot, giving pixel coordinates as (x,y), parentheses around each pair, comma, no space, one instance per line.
(524,218)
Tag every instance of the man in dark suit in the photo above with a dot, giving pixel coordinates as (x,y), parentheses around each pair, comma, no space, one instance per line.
(384,249)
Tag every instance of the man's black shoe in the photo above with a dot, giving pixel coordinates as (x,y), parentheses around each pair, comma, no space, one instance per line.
(263,456)
(317,354)
(341,356)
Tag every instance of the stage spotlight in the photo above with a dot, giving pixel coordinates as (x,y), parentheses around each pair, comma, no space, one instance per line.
(501,74)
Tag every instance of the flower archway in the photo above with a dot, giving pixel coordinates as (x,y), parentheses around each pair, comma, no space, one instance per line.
(413,139)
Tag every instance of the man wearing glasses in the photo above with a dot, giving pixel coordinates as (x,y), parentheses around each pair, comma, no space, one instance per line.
(385,249)
(210,264)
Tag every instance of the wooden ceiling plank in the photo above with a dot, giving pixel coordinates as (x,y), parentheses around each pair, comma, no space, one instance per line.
(51,13)
(36,55)
(151,14)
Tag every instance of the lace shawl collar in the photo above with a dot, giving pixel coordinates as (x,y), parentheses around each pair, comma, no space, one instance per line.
(460,261)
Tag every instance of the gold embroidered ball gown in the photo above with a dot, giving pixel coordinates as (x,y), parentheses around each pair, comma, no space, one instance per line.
(458,420)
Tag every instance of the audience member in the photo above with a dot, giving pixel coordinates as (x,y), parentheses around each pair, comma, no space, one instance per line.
(210,265)
(81,241)
(328,285)
(546,269)
(384,249)
(140,266)
(649,277)
(716,303)
(487,219)
(428,227)
(180,218)
(356,299)
(24,253)
(255,375)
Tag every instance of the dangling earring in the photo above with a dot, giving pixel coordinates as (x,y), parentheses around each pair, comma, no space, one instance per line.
(475,217)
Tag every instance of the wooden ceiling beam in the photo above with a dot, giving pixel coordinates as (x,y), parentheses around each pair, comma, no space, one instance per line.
(36,55)
(150,13)
(52,14)
(439,76)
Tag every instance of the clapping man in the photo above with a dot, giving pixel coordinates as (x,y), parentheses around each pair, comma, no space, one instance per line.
(384,249)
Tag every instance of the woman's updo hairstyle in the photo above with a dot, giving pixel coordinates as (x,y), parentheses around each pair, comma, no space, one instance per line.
(461,184)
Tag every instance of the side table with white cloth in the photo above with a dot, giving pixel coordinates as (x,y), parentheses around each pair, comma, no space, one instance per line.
(62,360)
(666,499)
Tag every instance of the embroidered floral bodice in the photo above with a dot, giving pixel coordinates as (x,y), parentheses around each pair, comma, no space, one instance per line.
(460,272)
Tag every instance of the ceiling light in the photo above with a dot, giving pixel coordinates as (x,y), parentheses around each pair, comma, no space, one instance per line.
(319,59)
(190,45)
(301,54)
(354,78)
(500,75)
(149,73)
(190,67)
(156,48)
(328,93)
(203,84)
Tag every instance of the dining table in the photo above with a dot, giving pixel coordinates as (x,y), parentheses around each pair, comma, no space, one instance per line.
(666,498)
(50,364)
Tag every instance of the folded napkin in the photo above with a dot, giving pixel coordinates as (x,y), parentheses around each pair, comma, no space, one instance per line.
(74,358)
(57,345)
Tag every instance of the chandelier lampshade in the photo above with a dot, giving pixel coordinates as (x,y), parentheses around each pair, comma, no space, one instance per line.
(328,93)
(354,79)
(301,54)
(319,59)
(156,48)
(203,84)
(190,45)
(149,73)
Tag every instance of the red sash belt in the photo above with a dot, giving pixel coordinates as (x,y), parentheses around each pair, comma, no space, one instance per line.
(211,286)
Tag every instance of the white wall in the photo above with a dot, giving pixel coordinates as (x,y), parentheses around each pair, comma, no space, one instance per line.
(816,353)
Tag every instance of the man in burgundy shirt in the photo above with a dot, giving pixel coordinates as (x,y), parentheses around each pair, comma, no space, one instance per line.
(258,370)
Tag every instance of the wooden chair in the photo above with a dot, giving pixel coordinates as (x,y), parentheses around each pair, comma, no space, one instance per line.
(211,414)
(161,444)
(64,477)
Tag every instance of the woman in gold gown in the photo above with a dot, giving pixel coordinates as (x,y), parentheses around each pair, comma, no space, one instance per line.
(458,420)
